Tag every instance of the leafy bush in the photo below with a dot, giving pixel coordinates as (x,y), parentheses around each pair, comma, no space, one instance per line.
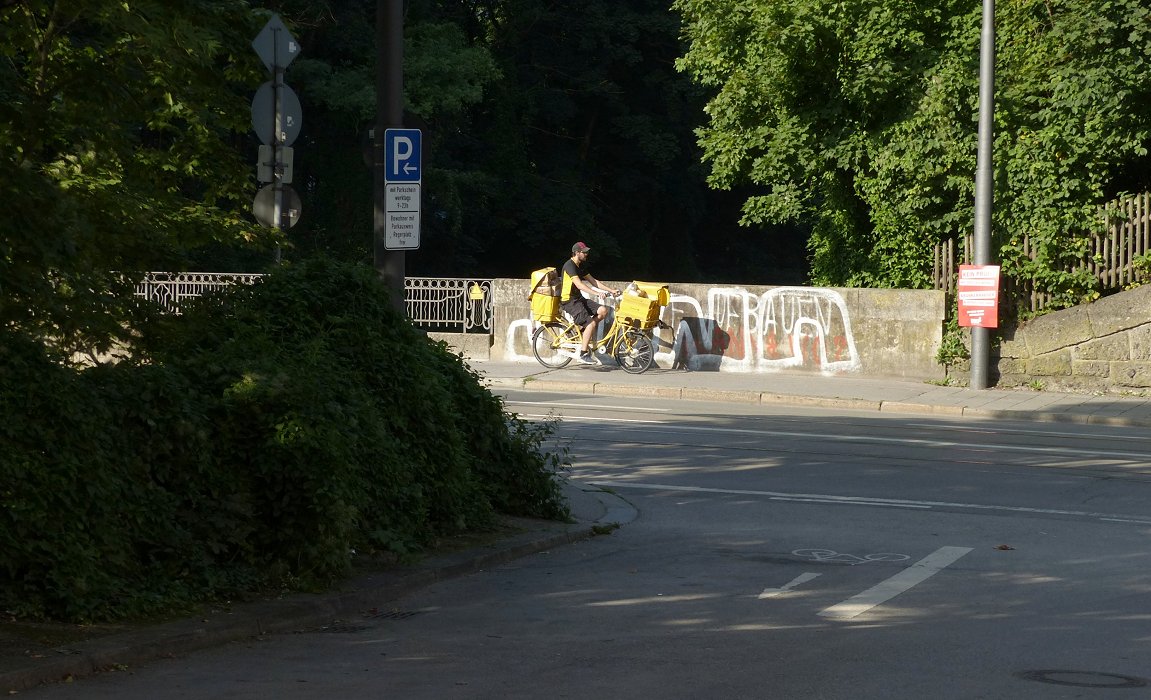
(257,440)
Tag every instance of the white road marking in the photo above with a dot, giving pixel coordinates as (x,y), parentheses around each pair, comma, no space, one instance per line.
(1000,430)
(823,500)
(884,591)
(797,581)
(826,437)
(643,409)
(866,501)
(830,555)
(592,420)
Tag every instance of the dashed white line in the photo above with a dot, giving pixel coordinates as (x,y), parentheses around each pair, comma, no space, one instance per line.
(797,581)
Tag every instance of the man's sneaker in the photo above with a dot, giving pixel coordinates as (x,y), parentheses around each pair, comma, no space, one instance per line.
(587,359)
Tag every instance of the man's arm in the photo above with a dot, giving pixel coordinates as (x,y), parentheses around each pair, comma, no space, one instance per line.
(599,286)
(583,286)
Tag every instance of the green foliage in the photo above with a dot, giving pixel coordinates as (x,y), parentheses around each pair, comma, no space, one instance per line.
(543,123)
(257,440)
(1142,266)
(953,348)
(861,118)
(111,505)
(117,123)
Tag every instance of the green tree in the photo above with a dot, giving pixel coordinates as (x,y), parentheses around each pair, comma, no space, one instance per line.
(543,123)
(591,133)
(446,74)
(860,117)
(119,152)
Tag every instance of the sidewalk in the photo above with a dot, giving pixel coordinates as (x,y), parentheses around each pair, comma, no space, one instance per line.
(34,654)
(842,392)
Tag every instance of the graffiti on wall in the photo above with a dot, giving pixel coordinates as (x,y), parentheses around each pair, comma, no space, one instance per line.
(785,327)
(735,330)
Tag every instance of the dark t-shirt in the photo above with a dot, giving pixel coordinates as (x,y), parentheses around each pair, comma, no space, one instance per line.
(568,290)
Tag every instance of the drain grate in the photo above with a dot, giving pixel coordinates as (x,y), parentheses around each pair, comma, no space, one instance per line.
(341,629)
(336,628)
(391,614)
(1084,679)
(345,627)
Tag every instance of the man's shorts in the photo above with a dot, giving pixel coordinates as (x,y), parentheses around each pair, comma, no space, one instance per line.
(580,311)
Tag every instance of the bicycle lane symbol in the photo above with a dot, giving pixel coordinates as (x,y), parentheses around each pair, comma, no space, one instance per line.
(830,556)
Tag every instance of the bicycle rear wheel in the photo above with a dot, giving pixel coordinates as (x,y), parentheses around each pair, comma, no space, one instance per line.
(635,352)
(547,345)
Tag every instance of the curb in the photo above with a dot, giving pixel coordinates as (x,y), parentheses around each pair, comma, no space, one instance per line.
(362,595)
(763,397)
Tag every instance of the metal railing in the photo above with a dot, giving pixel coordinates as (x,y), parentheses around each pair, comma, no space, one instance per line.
(449,304)
(169,289)
(433,303)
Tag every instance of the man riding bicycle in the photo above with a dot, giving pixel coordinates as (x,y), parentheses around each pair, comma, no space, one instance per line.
(575,280)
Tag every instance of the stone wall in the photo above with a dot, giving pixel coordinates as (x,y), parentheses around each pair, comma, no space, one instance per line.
(1104,347)
(876,332)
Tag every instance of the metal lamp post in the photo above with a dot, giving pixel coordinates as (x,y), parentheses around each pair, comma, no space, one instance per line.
(984,195)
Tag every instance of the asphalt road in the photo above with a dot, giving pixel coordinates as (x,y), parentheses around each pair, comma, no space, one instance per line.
(777,554)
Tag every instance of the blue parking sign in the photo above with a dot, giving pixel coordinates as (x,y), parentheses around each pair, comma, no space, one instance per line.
(402,155)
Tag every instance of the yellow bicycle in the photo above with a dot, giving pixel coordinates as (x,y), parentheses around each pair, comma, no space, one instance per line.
(556,341)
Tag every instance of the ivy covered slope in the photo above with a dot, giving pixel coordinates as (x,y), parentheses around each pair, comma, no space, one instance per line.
(861,117)
(255,442)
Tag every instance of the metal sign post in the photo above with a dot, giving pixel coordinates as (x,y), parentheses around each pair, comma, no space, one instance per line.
(276,119)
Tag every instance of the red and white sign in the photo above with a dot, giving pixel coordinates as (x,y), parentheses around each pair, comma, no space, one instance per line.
(978,288)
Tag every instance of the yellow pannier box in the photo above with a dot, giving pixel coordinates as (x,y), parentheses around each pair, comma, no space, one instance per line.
(545,294)
(545,308)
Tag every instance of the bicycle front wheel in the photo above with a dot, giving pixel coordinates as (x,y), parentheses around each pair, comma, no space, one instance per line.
(635,352)
(547,345)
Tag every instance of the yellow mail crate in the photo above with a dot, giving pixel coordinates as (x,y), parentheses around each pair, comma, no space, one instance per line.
(545,308)
(644,310)
(656,291)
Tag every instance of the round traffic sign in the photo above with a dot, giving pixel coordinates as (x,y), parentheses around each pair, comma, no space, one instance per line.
(264,207)
(264,114)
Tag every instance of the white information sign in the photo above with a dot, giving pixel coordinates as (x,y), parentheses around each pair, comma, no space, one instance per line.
(403,229)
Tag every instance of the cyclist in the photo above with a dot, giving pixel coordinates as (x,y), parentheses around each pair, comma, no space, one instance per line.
(574,281)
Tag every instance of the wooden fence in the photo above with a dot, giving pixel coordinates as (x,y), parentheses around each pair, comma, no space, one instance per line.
(1110,259)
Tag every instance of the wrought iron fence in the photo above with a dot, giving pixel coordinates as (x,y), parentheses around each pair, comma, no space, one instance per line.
(449,304)
(433,303)
(169,289)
